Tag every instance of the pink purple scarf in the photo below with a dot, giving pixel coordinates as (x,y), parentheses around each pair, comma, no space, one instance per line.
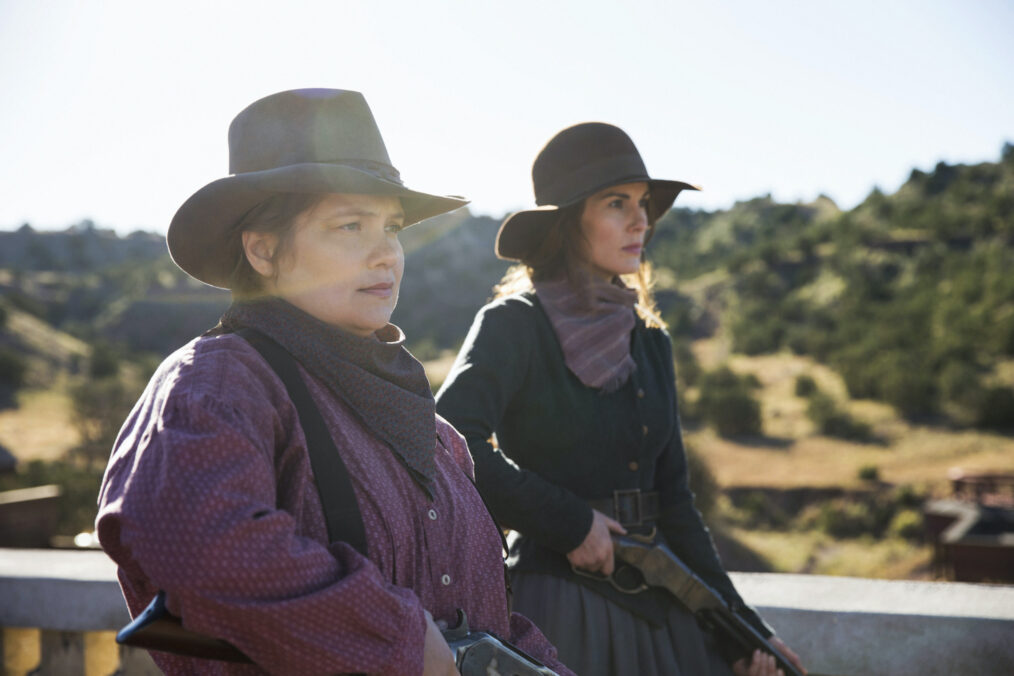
(593,329)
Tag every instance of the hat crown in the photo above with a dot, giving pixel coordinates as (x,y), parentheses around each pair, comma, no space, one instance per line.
(583,159)
(305,126)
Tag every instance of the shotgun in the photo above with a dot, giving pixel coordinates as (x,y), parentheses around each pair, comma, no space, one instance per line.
(476,653)
(660,567)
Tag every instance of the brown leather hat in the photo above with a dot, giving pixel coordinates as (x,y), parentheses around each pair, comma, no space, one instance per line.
(305,141)
(575,164)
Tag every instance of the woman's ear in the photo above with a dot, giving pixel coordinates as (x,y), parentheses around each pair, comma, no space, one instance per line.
(259,249)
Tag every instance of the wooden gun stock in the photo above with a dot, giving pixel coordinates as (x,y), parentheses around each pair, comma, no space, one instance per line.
(662,568)
(157,629)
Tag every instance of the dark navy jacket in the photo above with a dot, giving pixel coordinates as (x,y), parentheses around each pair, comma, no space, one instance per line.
(562,443)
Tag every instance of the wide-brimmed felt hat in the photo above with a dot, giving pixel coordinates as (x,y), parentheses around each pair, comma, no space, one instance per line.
(575,164)
(301,141)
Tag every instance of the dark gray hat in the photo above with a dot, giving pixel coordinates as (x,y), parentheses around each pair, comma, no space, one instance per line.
(303,141)
(575,164)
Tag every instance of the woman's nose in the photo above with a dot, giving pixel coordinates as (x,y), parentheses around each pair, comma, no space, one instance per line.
(386,252)
(640,218)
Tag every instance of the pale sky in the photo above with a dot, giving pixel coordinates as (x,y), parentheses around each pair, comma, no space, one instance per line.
(118,111)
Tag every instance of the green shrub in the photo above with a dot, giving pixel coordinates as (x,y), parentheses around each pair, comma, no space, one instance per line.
(752,335)
(907,495)
(805,386)
(105,361)
(688,369)
(12,368)
(869,473)
(100,407)
(908,524)
(843,519)
(833,422)
(997,409)
(757,510)
(727,404)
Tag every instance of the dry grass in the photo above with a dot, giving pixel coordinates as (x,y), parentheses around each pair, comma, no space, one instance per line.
(437,369)
(792,454)
(40,427)
(818,554)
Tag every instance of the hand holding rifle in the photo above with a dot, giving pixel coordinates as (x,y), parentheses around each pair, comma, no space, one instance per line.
(660,567)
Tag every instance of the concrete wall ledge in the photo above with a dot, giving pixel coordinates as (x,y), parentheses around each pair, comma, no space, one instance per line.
(842,625)
(838,625)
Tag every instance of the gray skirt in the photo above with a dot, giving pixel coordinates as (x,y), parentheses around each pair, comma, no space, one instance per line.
(595,637)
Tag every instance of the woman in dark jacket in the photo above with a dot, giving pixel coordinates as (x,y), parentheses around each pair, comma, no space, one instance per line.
(571,370)
(210,492)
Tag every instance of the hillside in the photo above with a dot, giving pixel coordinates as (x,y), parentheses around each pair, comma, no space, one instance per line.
(907,297)
(900,311)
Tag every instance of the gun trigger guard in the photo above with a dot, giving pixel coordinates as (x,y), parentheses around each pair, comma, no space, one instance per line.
(458,631)
(647,538)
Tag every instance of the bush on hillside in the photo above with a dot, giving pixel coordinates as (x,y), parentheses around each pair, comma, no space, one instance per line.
(100,407)
(997,409)
(907,385)
(869,473)
(907,524)
(688,369)
(805,385)
(845,519)
(756,509)
(105,361)
(12,368)
(834,422)
(727,403)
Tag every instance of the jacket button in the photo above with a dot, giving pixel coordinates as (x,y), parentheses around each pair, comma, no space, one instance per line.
(432,514)
(445,579)
(640,393)
(633,466)
(644,429)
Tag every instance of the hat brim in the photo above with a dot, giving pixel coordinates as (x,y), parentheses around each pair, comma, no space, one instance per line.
(521,232)
(200,237)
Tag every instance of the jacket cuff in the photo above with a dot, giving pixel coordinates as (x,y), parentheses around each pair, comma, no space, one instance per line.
(751,616)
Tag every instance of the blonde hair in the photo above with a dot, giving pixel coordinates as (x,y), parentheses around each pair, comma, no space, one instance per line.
(559,255)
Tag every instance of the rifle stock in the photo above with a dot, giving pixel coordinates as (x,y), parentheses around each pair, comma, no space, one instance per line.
(475,652)
(660,567)
(157,629)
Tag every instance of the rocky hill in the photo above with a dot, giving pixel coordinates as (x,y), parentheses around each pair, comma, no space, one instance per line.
(908,296)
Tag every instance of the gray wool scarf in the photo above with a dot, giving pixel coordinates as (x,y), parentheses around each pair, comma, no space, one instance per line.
(376,376)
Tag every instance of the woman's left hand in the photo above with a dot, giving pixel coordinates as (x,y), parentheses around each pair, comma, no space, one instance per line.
(764,664)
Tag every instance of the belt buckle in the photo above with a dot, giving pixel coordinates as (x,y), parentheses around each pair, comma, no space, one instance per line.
(618,496)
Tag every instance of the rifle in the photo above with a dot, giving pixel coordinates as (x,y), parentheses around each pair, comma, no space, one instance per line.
(158,629)
(477,653)
(661,568)
(474,652)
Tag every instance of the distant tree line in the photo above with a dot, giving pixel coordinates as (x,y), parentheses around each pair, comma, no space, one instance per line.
(910,296)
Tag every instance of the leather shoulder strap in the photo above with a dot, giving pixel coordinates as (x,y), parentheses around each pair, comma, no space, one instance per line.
(341,511)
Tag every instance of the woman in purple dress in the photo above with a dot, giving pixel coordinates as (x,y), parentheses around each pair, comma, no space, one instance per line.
(210,495)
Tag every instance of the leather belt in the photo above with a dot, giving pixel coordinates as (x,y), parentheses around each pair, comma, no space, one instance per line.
(630,507)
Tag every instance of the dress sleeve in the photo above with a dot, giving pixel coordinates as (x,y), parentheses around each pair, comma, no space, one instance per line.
(487,376)
(681,523)
(188,505)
